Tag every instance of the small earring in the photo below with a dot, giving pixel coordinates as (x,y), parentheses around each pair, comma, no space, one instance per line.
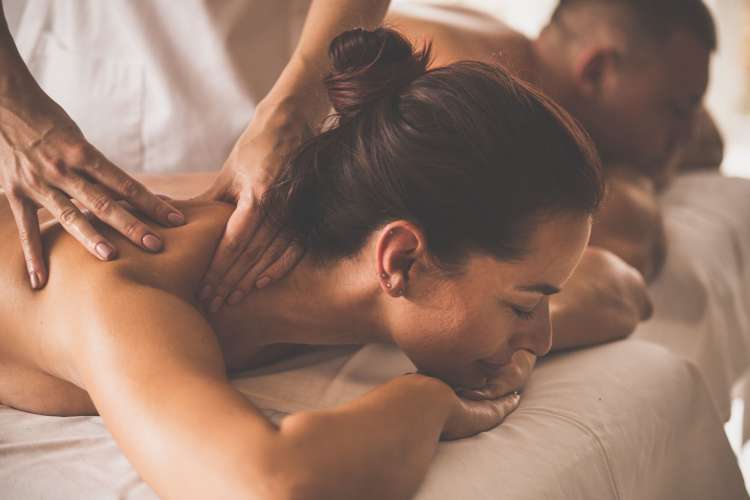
(388,285)
(384,275)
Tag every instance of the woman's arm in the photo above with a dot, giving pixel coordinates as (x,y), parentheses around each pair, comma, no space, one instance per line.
(154,370)
(604,300)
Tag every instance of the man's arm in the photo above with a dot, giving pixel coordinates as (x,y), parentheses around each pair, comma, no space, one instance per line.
(706,148)
(154,370)
(629,223)
(704,151)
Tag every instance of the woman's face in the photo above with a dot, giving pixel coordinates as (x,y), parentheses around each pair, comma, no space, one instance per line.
(463,328)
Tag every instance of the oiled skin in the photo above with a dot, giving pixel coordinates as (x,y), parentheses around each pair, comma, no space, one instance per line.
(33,373)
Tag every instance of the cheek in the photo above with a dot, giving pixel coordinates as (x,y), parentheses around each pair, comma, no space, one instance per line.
(451,343)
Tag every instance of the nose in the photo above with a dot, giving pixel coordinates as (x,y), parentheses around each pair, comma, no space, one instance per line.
(537,338)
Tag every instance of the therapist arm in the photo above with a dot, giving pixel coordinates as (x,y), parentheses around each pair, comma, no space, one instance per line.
(45,161)
(249,254)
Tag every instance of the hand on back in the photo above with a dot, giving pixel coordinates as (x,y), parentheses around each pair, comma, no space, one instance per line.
(251,253)
(45,161)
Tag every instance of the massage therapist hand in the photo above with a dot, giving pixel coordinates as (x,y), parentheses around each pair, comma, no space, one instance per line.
(251,254)
(45,161)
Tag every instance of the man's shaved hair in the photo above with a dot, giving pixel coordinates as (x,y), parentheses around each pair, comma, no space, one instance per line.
(655,19)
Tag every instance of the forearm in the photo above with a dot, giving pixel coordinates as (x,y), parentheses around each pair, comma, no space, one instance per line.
(378,446)
(575,325)
(706,148)
(302,78)
(630,223)
(604,300)
(14,75)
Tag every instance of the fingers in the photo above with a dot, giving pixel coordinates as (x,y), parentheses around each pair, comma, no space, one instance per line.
(245,275)
(25,214)
(75,223)
(238,232)
(480,416)
(106,209)
(278,269)
(104,172)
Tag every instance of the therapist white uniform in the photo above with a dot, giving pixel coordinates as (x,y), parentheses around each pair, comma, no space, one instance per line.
(158,85)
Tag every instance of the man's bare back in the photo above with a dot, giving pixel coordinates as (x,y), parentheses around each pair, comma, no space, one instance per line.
(459,33)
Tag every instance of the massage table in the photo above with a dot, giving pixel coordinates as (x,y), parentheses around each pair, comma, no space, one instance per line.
(635,419)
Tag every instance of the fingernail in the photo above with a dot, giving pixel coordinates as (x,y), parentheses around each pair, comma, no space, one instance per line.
(235,298)
(105,251)
(263,282)
(35,282)
(205,292)
(152,242)
(176,218)
(215,304)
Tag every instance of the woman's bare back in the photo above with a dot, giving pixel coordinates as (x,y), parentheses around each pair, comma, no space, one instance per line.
(33,360)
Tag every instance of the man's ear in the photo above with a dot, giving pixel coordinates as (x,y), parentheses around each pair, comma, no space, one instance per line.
(593,68)
(399,246)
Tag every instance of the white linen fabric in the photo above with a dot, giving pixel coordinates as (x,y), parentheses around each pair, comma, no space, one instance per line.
(630,420)
(702,296)
(158,85)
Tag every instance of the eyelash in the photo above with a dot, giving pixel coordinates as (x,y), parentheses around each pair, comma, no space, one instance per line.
(521,314)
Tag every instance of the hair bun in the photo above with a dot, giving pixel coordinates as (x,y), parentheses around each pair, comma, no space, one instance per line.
(369,66)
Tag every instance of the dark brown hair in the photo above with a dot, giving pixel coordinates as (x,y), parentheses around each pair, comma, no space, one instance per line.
(656,19)
(467,152)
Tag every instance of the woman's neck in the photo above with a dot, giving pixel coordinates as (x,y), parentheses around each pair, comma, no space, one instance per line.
(325,304)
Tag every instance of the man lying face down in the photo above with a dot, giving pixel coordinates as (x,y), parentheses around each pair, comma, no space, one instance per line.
(633,72)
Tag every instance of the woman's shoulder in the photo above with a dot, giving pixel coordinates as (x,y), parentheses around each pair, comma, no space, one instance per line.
(187,250)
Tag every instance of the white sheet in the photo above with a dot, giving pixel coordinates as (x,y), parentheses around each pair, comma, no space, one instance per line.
(702,297)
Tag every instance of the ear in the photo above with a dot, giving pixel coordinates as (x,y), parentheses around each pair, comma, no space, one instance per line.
(398,247)
(593,67)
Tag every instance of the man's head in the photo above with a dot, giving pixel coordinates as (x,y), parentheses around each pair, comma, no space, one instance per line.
(636,72)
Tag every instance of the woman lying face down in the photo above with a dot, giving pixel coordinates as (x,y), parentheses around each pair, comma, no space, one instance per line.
(439,210)
(452,203)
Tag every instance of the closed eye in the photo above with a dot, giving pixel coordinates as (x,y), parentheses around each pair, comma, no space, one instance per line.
(522,313)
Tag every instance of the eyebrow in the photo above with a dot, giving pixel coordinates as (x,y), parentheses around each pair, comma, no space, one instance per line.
(543,288)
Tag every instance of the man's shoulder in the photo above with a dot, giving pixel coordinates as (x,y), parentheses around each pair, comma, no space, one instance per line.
(460,33)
